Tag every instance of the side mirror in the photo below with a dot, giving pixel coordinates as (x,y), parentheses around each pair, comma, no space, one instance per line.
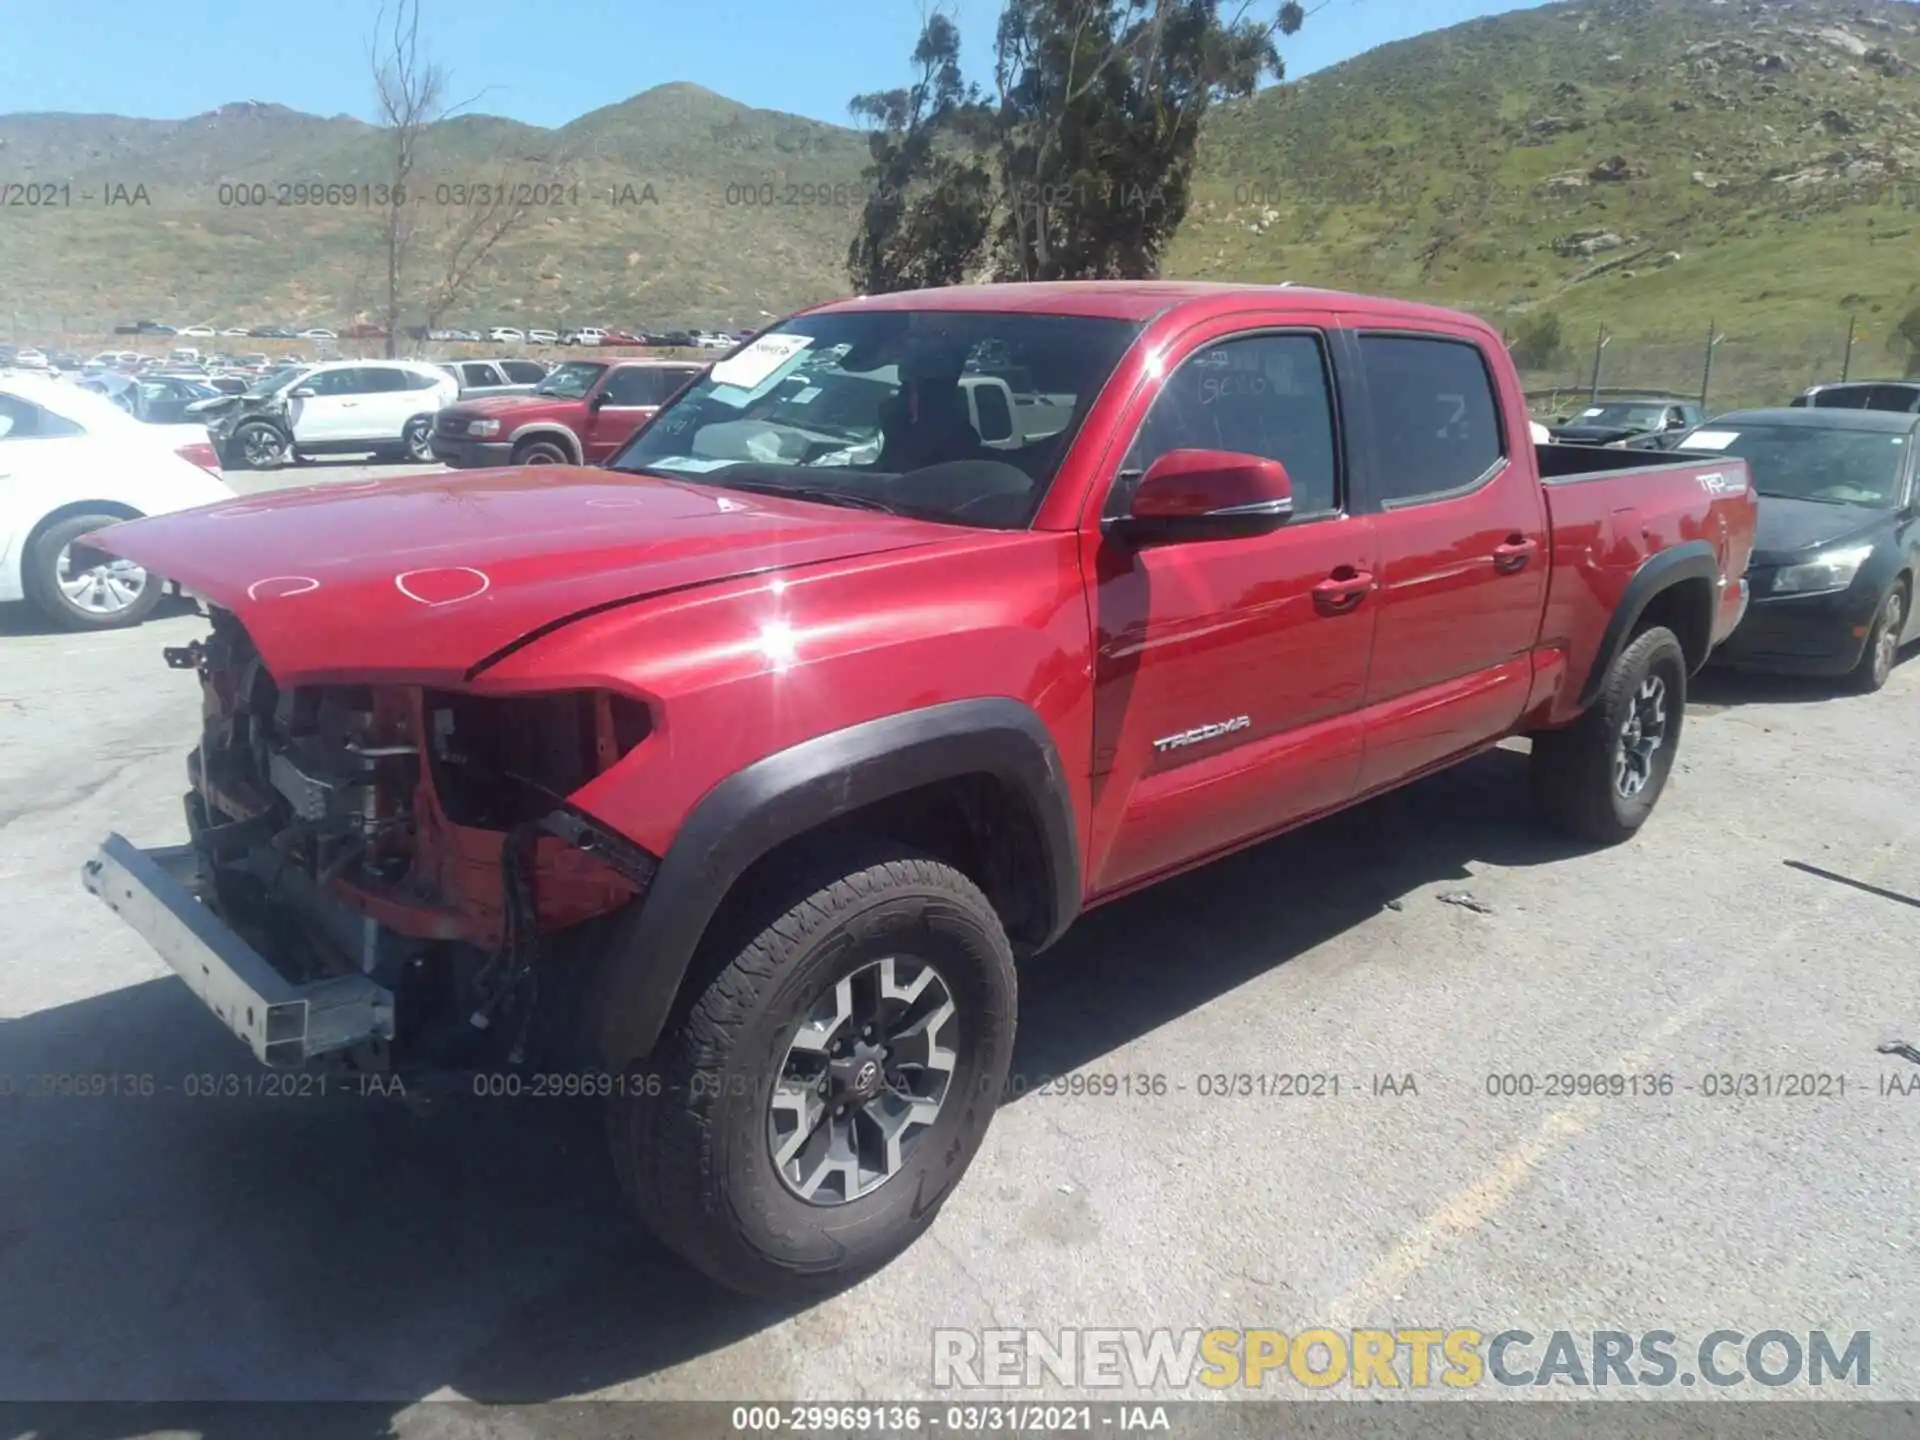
(1207,495)
(305,392)
(597,400)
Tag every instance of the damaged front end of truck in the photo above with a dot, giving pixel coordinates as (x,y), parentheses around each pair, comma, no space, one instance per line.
(383,877)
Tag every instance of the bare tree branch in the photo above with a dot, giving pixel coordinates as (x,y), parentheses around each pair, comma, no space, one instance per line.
(410,92)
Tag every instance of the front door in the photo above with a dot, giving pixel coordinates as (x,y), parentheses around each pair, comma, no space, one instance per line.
(1462,547)
(1229,672)
(331,413)
(627,396)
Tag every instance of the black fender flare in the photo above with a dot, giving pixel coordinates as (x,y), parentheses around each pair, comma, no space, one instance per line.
(783,796)
(554,430)
(1689,560)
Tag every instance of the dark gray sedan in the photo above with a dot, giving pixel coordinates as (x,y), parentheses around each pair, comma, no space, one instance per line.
(1838,547)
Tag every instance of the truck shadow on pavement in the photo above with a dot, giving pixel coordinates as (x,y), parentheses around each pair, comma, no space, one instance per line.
(184,1248)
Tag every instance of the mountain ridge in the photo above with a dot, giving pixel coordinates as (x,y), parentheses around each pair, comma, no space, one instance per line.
(1638,163)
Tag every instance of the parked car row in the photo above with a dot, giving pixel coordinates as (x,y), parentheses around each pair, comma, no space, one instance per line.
(1832,581)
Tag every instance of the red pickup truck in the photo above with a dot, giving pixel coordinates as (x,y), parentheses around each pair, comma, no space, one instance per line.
(729,780)
(580,414)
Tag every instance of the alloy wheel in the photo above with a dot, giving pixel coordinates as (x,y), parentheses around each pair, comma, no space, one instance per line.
(265,449)
(106,587)
(1641,735)
(864,1078)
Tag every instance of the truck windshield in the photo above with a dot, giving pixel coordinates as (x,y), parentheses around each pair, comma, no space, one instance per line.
(571,380)
(909,411)
(1807,462)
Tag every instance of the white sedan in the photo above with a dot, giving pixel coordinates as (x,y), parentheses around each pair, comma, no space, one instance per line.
(72,463)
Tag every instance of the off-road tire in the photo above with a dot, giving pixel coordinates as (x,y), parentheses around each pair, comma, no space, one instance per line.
(39,579)
(695,1160)
(1876,664)
(1573,768)
(541,452)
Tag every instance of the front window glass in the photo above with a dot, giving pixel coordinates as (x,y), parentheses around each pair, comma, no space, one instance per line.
(267,384)
(875,409)
(570,381)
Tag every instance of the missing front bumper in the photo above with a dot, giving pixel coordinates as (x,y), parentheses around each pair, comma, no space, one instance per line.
(285,1024)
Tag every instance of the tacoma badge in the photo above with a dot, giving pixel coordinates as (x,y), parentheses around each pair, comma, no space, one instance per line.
(1202,732)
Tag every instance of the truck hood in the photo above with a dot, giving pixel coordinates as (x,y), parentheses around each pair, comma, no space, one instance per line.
(505,405)
(427,579)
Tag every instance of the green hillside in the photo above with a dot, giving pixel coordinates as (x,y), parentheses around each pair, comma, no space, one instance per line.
(1649,165)
(1652,165)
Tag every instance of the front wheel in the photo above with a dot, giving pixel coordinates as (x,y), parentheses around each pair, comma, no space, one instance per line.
(261,446)
(541,452)
(1601,776)
(1883,643)
(832,1079)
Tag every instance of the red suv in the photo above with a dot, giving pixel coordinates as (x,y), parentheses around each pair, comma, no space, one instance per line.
(580,414)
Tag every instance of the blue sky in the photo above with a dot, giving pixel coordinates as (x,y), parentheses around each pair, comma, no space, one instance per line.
(542,63)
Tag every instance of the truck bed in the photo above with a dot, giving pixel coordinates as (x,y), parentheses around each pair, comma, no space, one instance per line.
(1602,534)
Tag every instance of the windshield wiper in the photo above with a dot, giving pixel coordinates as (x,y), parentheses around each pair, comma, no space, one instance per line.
(817,493)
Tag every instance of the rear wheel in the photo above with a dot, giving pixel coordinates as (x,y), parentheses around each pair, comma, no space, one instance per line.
(417,439)
(1601,776)
(831,1079)
(82,589)
(1883,643)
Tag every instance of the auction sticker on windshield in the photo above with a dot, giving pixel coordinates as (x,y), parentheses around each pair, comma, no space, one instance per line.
(1710,439)
(759,360)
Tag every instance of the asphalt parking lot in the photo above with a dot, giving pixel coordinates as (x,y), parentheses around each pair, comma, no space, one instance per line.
(1766,922)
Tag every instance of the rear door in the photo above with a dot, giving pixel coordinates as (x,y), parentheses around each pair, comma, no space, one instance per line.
(1462,543)
(478,375)
(390,400)
(38,449)
(1228,673)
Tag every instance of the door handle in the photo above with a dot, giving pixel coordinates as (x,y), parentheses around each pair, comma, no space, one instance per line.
(1342,591)
(1514,554)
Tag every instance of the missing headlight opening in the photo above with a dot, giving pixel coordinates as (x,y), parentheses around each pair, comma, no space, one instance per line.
(420,837)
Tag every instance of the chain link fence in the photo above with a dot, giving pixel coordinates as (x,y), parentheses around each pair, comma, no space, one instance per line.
(1726,372)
